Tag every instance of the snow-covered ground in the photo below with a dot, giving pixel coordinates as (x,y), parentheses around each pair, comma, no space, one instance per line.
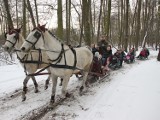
(130,93)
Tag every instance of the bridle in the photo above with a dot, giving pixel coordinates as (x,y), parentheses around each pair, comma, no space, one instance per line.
(16,37)
(37,35)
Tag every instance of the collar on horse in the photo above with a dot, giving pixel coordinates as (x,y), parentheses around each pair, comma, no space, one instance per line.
(58,59)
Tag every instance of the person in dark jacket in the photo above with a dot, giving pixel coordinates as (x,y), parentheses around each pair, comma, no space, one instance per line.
(102,44)
(119,55)
(94,49)
(106,57)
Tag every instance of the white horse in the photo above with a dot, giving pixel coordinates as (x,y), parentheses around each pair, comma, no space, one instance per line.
(64,60)
(14,40)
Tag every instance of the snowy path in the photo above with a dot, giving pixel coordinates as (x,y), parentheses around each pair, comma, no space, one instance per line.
(135,96)
(130,93)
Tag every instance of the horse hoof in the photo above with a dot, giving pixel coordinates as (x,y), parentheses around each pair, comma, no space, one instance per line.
(52,102)
(36,91)
(68,95)
(25,90)
(60,84)
(23,99)
(50,106)
(81,88)
(46,87)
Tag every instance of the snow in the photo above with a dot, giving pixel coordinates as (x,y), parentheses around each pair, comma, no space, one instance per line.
(130,93)
(135,96)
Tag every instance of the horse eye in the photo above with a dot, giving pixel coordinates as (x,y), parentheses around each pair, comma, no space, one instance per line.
(16,36)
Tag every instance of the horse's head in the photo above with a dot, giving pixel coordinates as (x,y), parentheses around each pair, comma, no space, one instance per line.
(12,37)
(35,39)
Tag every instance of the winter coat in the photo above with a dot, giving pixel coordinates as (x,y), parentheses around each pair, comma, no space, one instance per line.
(94,50)
(107,54)
(96,66)
(102,46)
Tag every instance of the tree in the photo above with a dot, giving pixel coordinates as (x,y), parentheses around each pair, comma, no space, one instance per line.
(138,27)
(9,19)
(31,13)
(86,21)
(68,16)
(126,26)
(17,12)
(24,19)
(37,18)
(158,25)
(108,20)
(99,20)
(59,20)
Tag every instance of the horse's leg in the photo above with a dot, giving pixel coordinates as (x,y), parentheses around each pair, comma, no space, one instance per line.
(85,74)
(25,88)
(54,85)
(61,82)
(35,84)
(47,81)
(64,86)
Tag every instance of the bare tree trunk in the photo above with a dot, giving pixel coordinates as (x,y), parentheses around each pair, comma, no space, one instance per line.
(121,24)
(37,18)
(31,13)
(9,19)
(17,12)
(24,19)
(59,20)
(68,16)
(99,20)
(126,26)
(86,17)
(108,20)
(158,25)
(138,24)
(91,21)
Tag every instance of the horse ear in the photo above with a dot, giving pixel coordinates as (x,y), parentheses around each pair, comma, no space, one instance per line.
(9,29)
(5,35)
(39,25)
(19,29)
(44,24)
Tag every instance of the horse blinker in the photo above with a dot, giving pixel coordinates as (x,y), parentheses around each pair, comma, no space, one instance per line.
(37,35)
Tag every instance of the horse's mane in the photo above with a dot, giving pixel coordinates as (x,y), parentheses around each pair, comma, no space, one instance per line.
(42,28)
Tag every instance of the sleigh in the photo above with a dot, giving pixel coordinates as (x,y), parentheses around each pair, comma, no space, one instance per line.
(96,71)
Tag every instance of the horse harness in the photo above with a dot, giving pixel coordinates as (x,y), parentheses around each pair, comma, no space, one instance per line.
(62,54)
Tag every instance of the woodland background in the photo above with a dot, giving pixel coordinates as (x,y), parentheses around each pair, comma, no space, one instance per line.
(125,23)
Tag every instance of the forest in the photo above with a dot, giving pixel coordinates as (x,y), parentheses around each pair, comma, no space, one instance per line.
(125,23)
